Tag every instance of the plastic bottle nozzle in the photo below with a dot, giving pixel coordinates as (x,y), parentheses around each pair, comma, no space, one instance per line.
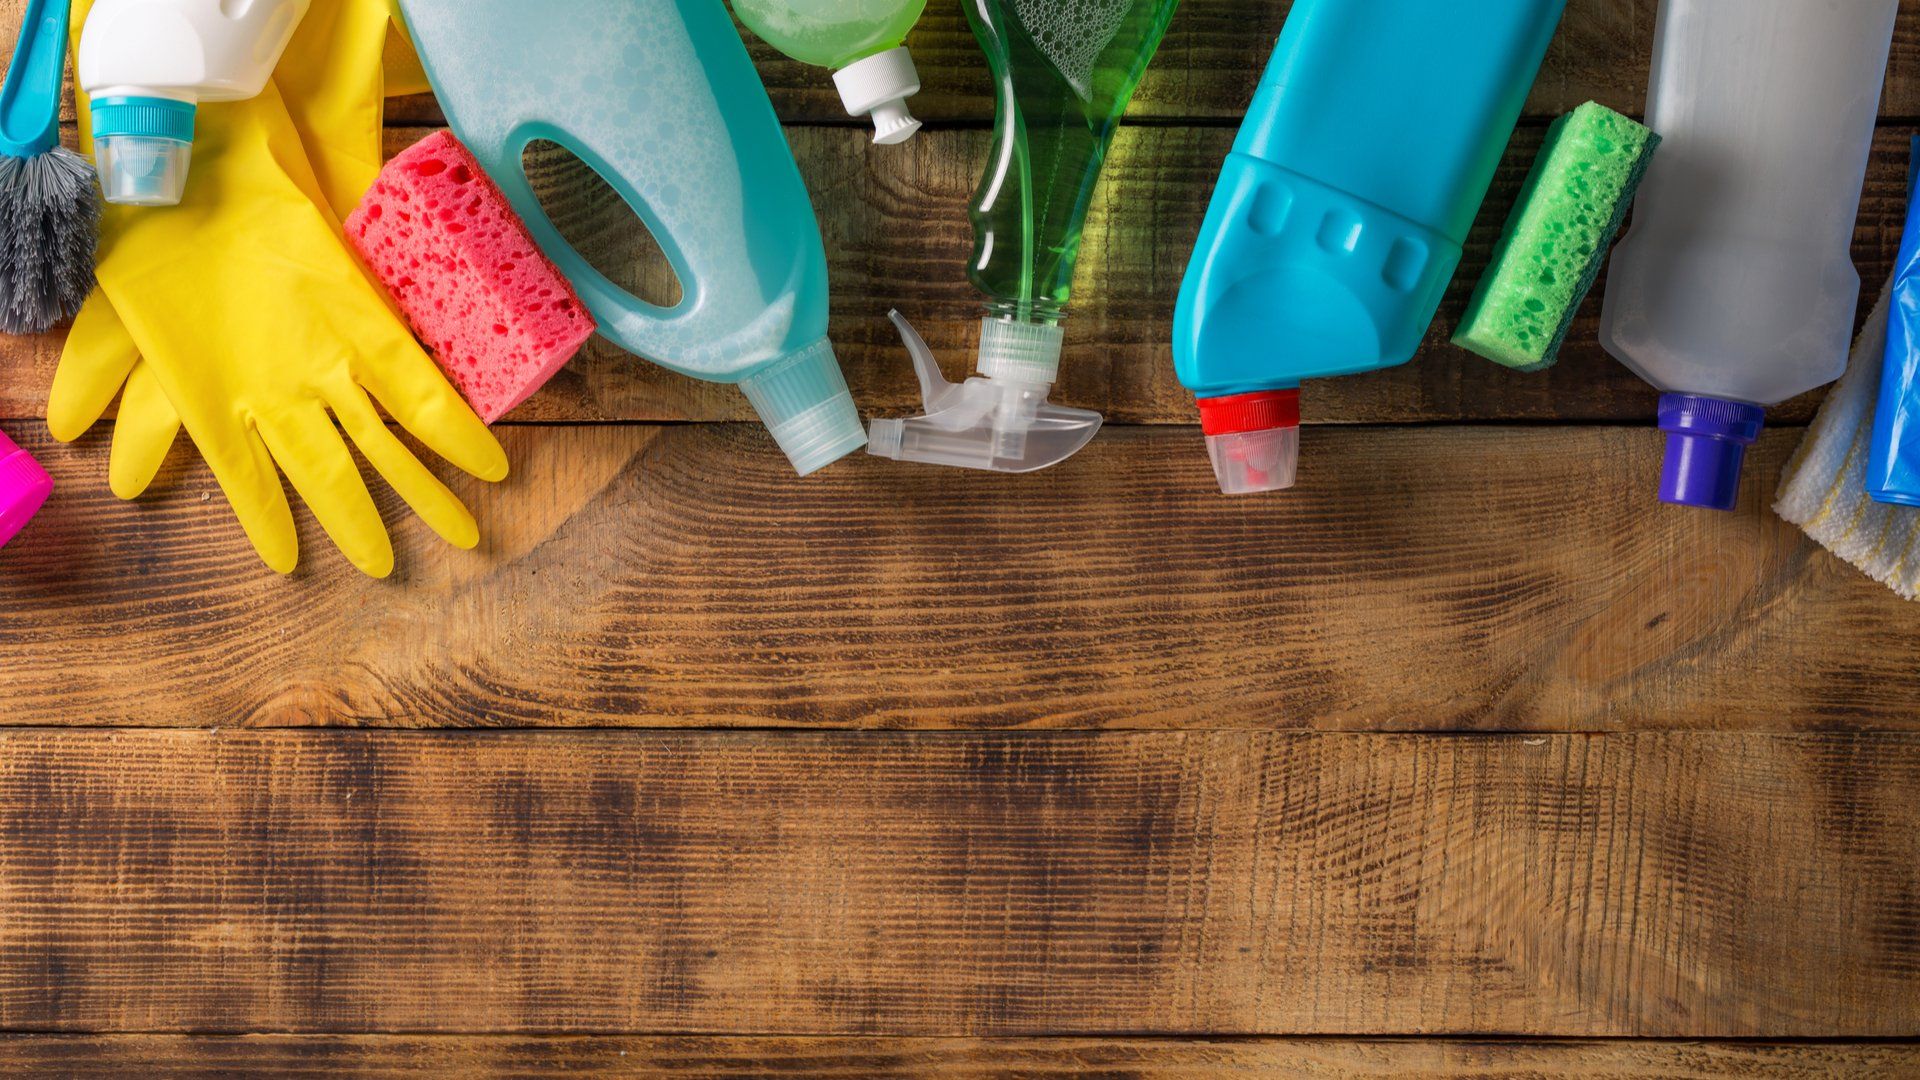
(1000,420)
(880,86)
(1707,440)
(804,401)
(142,148)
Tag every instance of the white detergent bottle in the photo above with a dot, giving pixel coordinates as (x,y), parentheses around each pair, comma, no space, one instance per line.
(1735,289)
(147,65)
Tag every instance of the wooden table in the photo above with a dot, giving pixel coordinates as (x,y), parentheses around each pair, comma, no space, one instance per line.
(1467,758)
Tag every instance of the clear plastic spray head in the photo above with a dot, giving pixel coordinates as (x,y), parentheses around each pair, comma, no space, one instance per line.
(999,420)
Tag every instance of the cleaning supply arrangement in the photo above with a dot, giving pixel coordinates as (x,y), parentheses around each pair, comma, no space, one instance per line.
(241,316)
(1851,484)
(241,263)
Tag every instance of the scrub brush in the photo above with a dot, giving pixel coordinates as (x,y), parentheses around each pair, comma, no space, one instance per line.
(49,206)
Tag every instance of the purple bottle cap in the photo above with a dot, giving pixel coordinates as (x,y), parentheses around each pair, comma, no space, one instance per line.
(1707,440)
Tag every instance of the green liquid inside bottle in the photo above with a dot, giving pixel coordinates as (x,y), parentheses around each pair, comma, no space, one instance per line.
(1064,73)
(830,33)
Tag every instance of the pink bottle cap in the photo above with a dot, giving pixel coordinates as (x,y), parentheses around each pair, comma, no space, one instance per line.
(24,487)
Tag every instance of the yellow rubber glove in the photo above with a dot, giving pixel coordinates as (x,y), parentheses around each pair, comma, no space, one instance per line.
(242,313)
(334,67)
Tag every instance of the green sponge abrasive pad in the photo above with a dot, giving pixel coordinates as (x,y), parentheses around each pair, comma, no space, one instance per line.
(1557,237)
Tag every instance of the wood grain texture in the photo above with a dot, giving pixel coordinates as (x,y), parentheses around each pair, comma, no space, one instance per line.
(960,884)
(898,236)
(331,1057)
(1731,854)
(1428,578)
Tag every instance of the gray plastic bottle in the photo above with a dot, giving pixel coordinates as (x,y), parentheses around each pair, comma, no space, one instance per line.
(1735,289)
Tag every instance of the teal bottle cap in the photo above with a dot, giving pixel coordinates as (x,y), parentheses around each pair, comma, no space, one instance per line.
(142,148)
(143,117)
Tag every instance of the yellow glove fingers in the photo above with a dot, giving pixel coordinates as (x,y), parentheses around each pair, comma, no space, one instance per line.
(252,486)
(310,451)
(142,435)
(439,507)
(95,363)
(413,391)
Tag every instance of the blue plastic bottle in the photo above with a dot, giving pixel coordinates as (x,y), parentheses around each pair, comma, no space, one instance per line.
(662,100)
(1341,213)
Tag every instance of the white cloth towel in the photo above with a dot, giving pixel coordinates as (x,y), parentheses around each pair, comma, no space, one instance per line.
(1824,490)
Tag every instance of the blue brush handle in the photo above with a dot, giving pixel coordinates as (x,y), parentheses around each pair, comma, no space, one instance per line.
(30,99)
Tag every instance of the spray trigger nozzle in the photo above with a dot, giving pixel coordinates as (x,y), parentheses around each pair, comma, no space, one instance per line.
(999,420)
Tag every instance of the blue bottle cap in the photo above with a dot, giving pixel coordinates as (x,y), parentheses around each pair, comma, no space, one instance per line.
(1707,440)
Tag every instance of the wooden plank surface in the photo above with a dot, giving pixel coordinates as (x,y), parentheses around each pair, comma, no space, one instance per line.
(971,884)
(1431,578)
(898,235)
(1732,854)
(328,1057)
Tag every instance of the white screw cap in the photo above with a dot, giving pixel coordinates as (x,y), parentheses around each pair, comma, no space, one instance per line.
(880,86)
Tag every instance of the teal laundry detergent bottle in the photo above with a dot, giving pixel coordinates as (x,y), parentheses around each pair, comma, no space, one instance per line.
(661,99)
(1340,215)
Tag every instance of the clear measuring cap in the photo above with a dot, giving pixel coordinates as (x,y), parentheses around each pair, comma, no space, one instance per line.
(1000,420)
(142,148)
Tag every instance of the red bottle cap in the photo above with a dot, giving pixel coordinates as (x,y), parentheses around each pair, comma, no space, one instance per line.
(1263,410)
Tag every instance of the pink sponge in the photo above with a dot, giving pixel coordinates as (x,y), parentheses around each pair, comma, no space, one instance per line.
(492,309)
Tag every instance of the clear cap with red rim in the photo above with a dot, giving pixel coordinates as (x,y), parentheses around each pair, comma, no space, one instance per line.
(1253,439)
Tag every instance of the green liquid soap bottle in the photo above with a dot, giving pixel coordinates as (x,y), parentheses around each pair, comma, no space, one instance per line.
(862,40)
(1064,72)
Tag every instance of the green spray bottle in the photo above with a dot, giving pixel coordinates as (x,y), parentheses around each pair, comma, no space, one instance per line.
(864,41)
(1064,72)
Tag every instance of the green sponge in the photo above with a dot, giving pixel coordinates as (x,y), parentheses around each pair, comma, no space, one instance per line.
(1557,237)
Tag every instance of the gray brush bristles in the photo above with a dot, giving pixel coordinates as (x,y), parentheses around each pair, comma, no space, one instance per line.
(49,228)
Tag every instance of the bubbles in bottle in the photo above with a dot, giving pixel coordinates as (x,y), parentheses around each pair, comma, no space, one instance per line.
(1073,33)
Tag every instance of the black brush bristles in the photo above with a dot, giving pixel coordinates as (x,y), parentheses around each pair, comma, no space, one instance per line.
(49,228)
